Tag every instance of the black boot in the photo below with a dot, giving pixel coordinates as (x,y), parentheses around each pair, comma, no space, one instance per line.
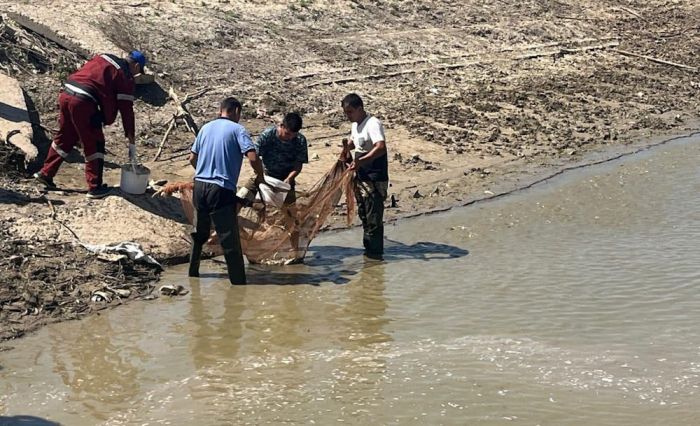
(236,268)
(226,225)
(195,256)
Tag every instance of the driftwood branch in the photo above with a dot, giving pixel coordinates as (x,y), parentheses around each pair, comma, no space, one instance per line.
(171,126)
(656,60)
(181,114)
(182,111)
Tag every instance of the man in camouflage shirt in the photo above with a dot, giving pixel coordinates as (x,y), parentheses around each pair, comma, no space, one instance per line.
(284,152)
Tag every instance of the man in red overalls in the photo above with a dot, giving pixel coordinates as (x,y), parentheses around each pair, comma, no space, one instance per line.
(91,98)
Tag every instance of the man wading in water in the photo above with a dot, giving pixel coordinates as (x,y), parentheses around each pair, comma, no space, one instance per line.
(372,172)
(217,156)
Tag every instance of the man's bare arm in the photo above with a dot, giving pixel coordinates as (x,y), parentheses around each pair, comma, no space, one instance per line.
(257,166)
(294,173)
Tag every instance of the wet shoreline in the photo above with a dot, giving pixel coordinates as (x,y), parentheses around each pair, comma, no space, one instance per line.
(500,183)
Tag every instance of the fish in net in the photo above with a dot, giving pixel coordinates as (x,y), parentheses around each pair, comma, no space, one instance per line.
(271,235)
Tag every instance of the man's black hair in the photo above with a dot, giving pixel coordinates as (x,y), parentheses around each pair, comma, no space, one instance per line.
(292,122)
(352,100)
(230,104)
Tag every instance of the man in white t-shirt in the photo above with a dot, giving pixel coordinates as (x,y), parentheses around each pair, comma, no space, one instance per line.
(371,167)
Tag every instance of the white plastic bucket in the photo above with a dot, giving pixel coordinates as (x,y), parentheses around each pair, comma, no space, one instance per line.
(134,179)
(274,191)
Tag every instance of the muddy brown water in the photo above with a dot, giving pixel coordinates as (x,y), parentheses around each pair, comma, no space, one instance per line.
(575,302)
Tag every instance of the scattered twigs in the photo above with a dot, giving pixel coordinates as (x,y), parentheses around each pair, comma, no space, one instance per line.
(182,107)
(656,60)
(181,114)
(29,47)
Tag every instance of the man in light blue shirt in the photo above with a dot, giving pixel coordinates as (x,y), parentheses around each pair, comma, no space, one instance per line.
(217,156)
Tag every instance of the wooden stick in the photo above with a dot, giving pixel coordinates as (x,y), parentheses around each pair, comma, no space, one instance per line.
(679,33)
(574,18)
(190,97)
(656,60)
(180,155)
(53,209)
(568,51)
(165,137)
(631,12)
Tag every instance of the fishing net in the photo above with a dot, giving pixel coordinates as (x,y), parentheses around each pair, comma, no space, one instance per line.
(273,235)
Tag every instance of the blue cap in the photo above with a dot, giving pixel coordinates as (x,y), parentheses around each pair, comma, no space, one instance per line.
(138,57)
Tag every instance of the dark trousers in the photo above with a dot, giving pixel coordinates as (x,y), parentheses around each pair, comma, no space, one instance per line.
(216,205)
(78,120)
(370,207)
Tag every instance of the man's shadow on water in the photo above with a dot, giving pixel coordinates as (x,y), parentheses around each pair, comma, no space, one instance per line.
(26,421)
(323,265)
(287,275)
(393,251)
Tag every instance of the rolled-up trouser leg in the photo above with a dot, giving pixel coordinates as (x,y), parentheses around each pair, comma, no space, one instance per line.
(226,226)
